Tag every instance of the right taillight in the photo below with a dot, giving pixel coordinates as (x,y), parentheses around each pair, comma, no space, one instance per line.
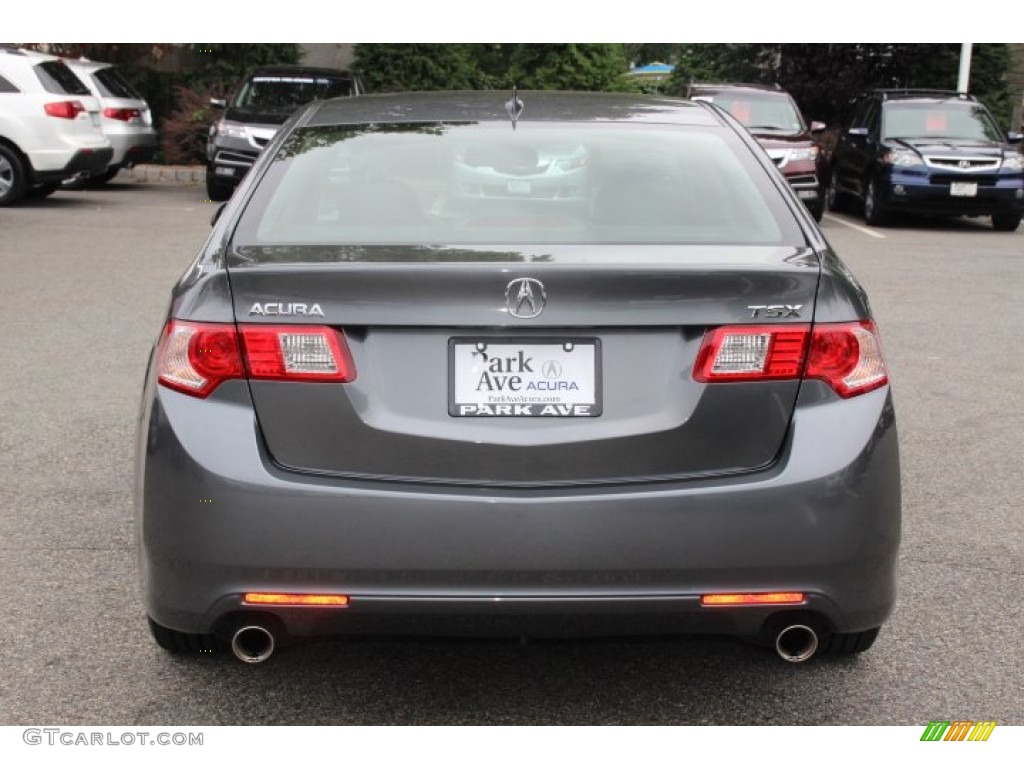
(848,356)
(195,358)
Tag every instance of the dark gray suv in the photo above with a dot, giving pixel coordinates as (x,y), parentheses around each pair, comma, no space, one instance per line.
(264,100)
(417,381)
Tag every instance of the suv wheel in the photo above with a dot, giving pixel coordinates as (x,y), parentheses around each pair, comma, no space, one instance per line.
(12,176)
(875,213)
(1006,222)
(817,209)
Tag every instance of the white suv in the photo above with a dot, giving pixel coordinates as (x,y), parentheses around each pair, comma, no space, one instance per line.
(49,125)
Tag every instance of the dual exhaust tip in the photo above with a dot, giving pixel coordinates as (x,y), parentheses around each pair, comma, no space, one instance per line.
(796,643)
(254,643)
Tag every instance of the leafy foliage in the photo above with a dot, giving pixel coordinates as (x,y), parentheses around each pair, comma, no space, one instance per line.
(568,66)
(218,63)
(418,67)
(184,132)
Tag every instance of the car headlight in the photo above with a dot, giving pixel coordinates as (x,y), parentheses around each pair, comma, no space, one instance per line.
(900,158)
(232,130)
(1014,162)
(807,153)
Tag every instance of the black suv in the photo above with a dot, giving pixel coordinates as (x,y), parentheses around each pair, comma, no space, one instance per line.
(772,117)
(262,103)
(928,152)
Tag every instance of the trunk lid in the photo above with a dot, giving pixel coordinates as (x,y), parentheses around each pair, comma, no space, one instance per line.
(640,316)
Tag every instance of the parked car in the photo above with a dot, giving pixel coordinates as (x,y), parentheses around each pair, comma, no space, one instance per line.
(774,119)
(49,126)
(928,152)
(264,100)
(375,408)
(124,116)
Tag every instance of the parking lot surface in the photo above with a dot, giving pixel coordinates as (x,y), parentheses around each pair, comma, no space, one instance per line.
(84,284)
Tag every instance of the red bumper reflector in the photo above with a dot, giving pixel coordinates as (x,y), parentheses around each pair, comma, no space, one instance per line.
(279,598)
(757,598)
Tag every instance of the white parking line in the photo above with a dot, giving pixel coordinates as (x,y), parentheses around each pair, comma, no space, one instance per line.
(859,228)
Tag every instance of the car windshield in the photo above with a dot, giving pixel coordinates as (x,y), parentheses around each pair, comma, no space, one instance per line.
(284,93)
(110,83)
(544,182)
(759,111)
(945,120)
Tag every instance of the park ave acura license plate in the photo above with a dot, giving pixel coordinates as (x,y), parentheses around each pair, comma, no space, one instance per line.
(524,377)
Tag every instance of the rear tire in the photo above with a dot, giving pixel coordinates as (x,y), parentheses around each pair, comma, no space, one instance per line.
(1006,222)
(12,176)
(173,641)
(817,210)
(875,212)
(847,644)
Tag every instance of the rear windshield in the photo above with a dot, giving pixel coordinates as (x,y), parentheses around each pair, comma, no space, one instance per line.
(542,183)
(945,120)
(56,77)
(758,111)
(110,83)
(284,93)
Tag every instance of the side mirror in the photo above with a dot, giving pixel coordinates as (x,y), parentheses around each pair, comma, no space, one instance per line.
(1014,137)
(860,131)
(817,126)
(217,213)
(219,103)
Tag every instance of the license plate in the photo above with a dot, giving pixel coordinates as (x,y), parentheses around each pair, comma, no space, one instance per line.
(963,189)
(95,119)
(524,377)
(519,187)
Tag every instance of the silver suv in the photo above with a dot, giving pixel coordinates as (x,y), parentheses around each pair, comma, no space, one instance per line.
(49,126)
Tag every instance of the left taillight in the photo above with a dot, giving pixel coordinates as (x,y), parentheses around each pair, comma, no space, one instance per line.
(66,110)
(126,115)
(195,358)
(848,356)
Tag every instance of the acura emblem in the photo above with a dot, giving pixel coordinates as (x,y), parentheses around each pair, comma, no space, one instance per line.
(525,298)
(965,163)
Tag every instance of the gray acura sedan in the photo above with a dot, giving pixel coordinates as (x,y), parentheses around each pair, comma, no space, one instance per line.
(625,388)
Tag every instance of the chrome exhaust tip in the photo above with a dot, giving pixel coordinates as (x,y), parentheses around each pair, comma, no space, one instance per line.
(253,644)
(796,643)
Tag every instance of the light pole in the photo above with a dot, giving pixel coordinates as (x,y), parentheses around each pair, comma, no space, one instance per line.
(963,80)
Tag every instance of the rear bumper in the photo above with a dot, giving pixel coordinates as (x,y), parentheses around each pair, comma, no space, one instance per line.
(216,518)
(83,161)
(133,147)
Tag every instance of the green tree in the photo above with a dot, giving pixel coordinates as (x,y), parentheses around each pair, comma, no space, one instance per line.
(217,64)
(568,66)
(418,66)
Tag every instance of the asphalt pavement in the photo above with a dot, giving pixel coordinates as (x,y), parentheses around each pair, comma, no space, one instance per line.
(84,282)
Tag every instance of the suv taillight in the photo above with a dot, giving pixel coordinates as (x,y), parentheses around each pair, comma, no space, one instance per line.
(195,358)
(127,115)
(68,110)
(848,356)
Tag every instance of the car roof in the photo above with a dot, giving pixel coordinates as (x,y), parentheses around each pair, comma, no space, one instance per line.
(564,106)
(775,88)
(930,95)
(87,64)
(283,69)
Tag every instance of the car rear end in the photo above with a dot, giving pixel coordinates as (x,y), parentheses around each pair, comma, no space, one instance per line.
(65,137)
(125,117)
(394,408)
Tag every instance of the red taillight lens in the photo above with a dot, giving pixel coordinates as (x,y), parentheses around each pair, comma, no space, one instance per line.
(297,353)
(195,358)
(752,353)
(122,114)
(846,355)
(67,110)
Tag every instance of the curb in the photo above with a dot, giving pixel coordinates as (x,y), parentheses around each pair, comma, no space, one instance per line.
(165,174)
